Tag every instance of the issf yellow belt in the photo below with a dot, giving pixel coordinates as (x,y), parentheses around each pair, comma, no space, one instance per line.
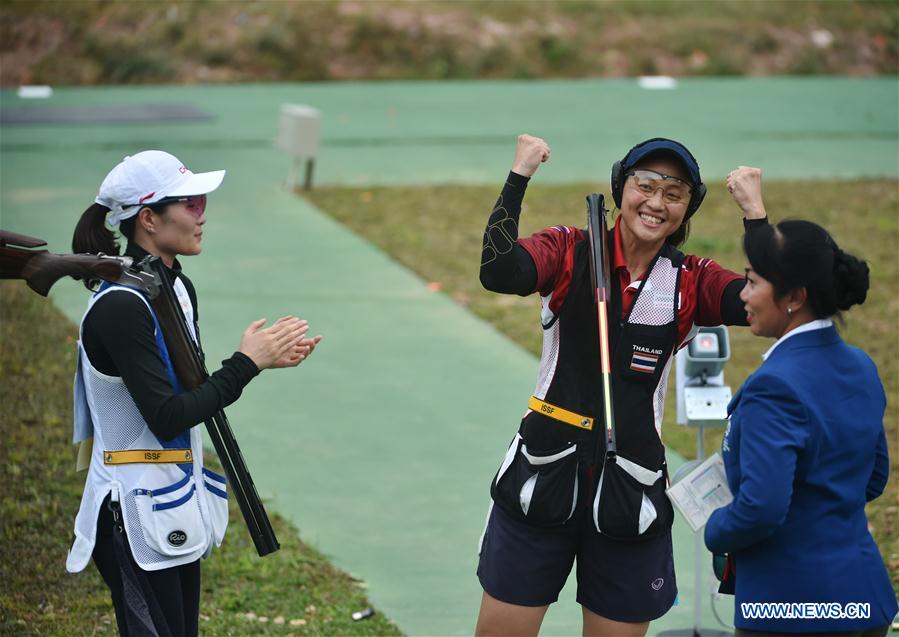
(562,415)
(142,456)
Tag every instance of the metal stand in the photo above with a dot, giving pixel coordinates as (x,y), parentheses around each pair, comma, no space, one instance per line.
(294,169)
(310,165)
(702,400)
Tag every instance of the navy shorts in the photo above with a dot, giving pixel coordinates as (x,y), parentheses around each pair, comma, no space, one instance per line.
(622,581)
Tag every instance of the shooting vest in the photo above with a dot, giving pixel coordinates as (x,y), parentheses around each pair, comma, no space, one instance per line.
(173,508)
(555,465)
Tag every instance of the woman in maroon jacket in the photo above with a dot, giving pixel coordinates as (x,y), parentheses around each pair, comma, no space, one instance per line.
(554,503)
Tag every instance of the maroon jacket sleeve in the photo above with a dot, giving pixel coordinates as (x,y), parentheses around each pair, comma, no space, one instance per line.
(717,290)
(549,249)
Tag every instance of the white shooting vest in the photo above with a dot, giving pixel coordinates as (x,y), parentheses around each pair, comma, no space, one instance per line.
(173,513)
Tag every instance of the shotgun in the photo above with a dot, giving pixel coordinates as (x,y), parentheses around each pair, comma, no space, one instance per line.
(599,275)
(187,360)
(42,269)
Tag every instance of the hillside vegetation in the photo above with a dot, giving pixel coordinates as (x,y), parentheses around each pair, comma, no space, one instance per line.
(101,42)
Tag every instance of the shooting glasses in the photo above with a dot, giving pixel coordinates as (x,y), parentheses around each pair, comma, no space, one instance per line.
(674,189)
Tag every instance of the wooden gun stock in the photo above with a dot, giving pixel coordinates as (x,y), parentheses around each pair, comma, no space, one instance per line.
(42,269)
(21,240)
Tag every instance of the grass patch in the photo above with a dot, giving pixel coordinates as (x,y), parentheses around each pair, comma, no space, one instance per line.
(41,496)
(101,42)
(437,231)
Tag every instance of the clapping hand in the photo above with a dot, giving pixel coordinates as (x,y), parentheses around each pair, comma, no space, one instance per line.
(283,344)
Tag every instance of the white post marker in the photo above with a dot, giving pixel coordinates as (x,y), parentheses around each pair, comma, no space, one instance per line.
(657,82)
(299,132)
(35,92)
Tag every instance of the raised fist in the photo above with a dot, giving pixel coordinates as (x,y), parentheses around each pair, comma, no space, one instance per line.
(529,154)
(745,184)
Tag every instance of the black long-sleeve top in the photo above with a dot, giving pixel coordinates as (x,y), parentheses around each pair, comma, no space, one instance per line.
(508,268)
(119,338)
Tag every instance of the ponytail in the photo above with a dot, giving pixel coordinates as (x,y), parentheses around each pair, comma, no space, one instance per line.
(92,235)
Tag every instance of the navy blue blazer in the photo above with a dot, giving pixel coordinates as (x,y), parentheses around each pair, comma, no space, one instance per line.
(804,451)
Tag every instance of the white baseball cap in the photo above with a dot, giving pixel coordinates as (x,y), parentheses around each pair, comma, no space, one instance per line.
(148,177)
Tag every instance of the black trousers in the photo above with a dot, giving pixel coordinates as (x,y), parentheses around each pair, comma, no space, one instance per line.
(177,589)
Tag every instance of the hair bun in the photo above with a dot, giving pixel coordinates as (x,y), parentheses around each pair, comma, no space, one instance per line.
(851,279)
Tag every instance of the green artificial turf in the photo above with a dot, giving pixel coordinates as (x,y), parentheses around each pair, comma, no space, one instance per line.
(437,232)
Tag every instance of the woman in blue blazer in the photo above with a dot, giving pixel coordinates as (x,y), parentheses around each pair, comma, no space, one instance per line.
(804,449)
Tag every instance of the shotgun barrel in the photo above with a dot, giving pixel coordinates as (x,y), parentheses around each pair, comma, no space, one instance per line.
(599,274)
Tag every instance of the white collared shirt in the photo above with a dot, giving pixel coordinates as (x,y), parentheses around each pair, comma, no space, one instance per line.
(818,324)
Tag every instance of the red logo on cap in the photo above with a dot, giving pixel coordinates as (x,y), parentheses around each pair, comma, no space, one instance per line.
(145,197)
(183,169)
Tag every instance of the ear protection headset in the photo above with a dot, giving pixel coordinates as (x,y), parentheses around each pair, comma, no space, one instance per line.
(641,150)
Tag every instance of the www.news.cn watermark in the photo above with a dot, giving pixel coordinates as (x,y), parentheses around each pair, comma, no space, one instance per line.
(805,610)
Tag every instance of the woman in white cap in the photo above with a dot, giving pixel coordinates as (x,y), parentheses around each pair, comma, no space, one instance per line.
(555,500)
(127,398)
